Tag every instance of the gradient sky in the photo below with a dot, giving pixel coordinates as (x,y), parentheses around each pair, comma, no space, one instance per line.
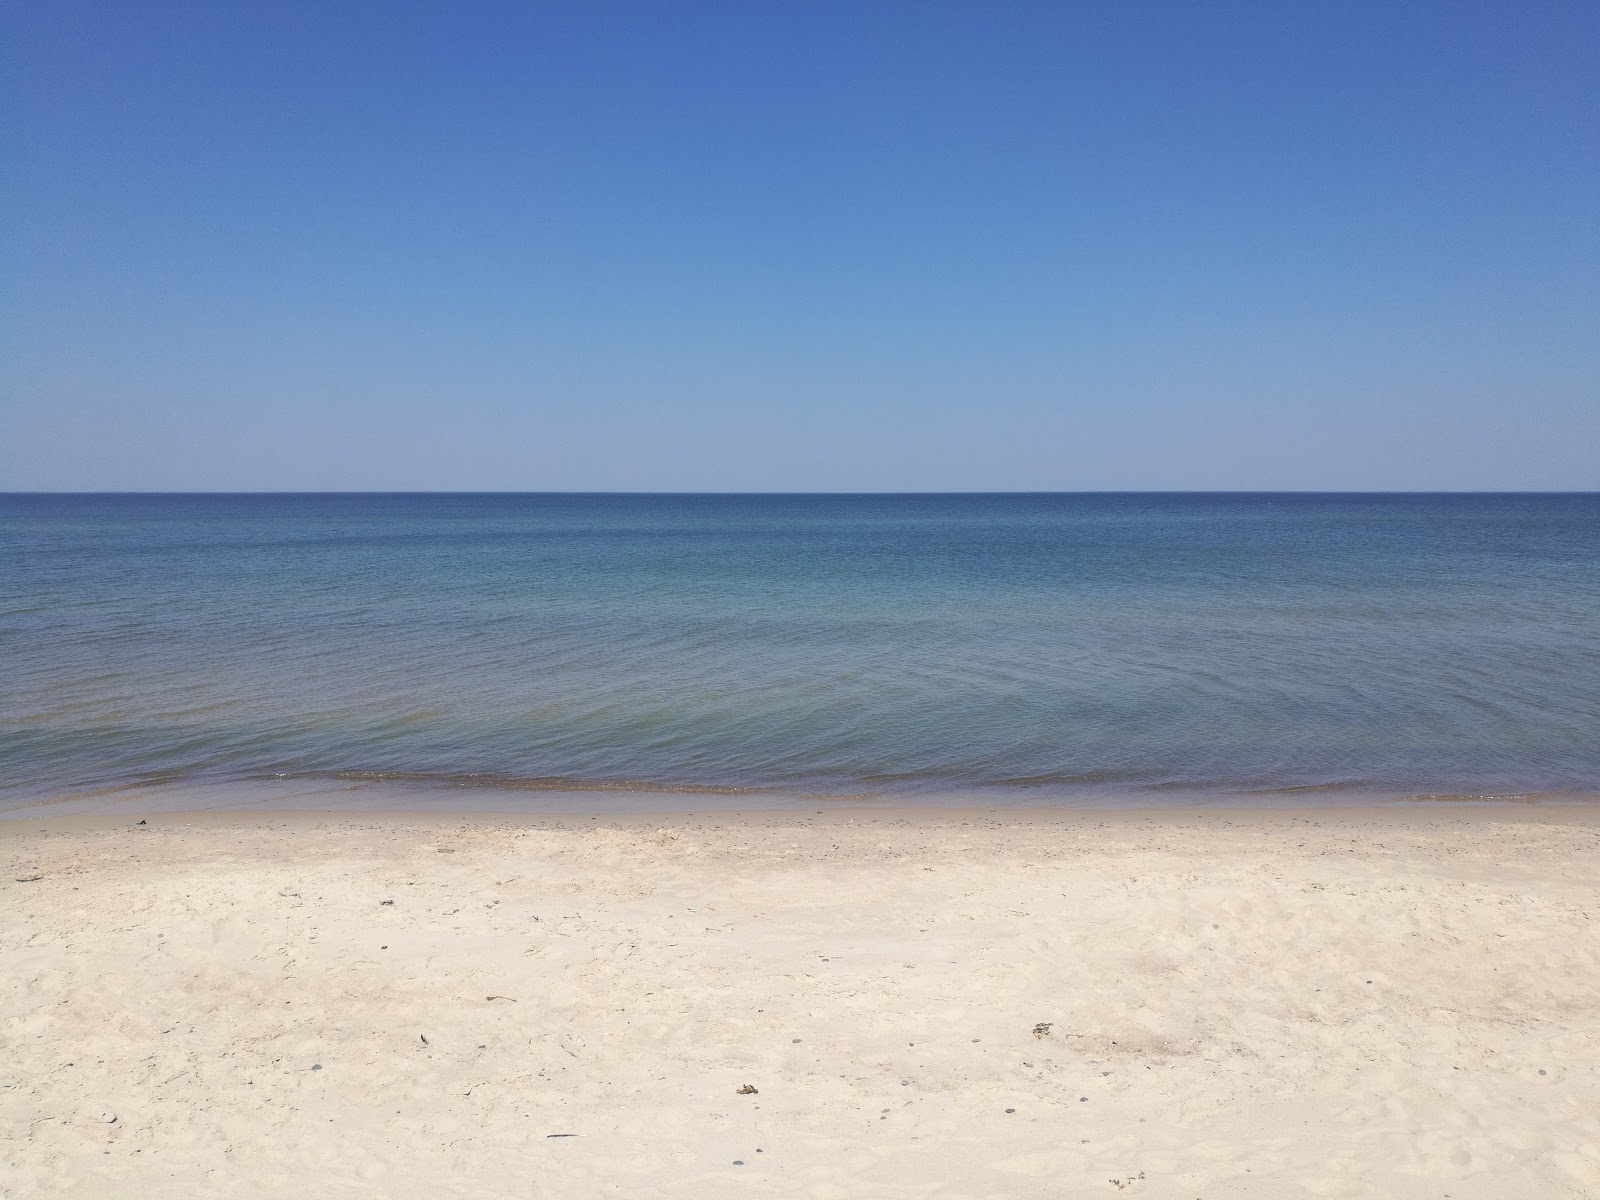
(803,246)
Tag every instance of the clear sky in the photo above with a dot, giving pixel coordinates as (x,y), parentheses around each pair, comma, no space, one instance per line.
(800,246)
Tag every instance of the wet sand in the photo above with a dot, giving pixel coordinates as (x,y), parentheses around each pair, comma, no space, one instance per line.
(1389,1002)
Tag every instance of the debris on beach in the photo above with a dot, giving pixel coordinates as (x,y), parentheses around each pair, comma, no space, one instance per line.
(1042,1029)
(385,901)
(748,1089)
(513,999)
(29,878)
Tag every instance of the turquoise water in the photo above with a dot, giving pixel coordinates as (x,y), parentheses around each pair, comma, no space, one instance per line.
(1039,648)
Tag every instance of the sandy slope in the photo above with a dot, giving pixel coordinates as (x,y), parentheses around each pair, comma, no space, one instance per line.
(1390,1004)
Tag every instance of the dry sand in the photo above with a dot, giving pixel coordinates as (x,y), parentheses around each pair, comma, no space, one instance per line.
(1380,1003)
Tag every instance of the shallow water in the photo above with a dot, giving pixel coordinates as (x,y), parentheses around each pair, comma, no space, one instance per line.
(1036,648)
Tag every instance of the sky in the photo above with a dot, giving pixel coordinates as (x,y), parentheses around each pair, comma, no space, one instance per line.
(752,246)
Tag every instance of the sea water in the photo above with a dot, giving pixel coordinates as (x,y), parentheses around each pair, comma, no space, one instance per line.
(1031,649)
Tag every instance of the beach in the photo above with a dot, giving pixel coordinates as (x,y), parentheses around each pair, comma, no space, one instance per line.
(1399,1001)
(811,602)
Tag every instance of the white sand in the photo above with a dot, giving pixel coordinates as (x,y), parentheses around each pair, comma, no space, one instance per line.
(1396,1003)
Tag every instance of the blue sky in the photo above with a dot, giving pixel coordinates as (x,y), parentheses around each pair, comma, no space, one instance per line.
(757,246)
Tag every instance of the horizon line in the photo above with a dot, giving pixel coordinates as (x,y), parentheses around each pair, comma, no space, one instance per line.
(841,492)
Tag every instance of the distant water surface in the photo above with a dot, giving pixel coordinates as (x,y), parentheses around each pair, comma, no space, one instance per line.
(1034,648)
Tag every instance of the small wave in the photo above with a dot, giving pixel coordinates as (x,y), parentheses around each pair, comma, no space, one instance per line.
(1046,779)
(515,783)
(1486,797)
(1310,789)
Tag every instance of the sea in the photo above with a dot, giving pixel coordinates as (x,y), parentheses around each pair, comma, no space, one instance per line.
(600,653)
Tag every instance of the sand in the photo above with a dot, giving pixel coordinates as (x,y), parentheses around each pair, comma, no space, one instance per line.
(1394,1002)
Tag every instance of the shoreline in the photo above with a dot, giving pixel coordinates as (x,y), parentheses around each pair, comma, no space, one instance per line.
(1582,813)
(334,796)
(1335,1002)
